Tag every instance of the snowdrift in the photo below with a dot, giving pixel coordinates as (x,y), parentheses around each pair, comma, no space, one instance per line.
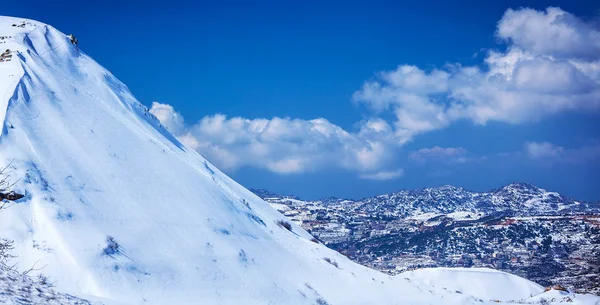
(118,211)
(478,282)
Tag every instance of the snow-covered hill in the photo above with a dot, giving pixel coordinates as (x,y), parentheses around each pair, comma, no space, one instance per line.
(479,282)
(118,211)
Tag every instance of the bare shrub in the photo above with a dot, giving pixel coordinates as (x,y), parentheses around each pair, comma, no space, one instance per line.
(285,224)
(112,247)
(6,194)
(6,246)
(321,301)
(331,261)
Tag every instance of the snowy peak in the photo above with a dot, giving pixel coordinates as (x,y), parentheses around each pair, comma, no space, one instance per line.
(523,187)
(521,190)
(534,200)
(519,199)
(43,56)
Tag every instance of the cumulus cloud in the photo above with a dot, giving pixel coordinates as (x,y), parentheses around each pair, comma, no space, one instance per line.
(552,32)
(550,65)
(167,115)
(283,145)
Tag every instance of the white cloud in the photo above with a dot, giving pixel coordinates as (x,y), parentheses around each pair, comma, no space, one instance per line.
(545,151)
(551,64)
(167,115)
(284,145)
(540,73)
(381,176)
(552,32)
(538,150)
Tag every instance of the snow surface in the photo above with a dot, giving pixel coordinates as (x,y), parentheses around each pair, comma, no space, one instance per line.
(118,210)
(18,289)
(479,282)
(557,296)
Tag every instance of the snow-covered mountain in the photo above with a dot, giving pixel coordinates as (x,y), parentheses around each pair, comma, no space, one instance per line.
(515,199)
(518,228)
(118,211)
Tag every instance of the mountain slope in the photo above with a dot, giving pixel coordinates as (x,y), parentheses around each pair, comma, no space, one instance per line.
(481,283)
(118,210)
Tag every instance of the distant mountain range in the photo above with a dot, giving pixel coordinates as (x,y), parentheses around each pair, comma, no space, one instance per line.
(519,228)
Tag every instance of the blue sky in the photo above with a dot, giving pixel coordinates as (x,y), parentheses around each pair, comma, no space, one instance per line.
(354,99)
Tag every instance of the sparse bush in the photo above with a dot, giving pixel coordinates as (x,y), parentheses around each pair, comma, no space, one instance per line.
(44,280)
(5,247)
(320,301)
(285,224)
(243,256)
(331,261)
(6,194)
(112,247)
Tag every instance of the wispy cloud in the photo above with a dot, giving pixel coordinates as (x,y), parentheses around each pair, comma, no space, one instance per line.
(441,154)
(381,176)
(540,150)
(548,152)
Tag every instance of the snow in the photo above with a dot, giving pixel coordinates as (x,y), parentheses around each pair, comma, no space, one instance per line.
(424,216)
(118,210)
(562,297)
(16,288)
(481,283)
(280,207)
(463,215)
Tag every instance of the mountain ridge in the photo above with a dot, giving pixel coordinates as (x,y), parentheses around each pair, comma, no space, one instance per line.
(518,228)
(514,188)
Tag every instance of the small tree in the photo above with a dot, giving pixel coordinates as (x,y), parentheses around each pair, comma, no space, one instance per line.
(6,195)
(6,192)
(6,246)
